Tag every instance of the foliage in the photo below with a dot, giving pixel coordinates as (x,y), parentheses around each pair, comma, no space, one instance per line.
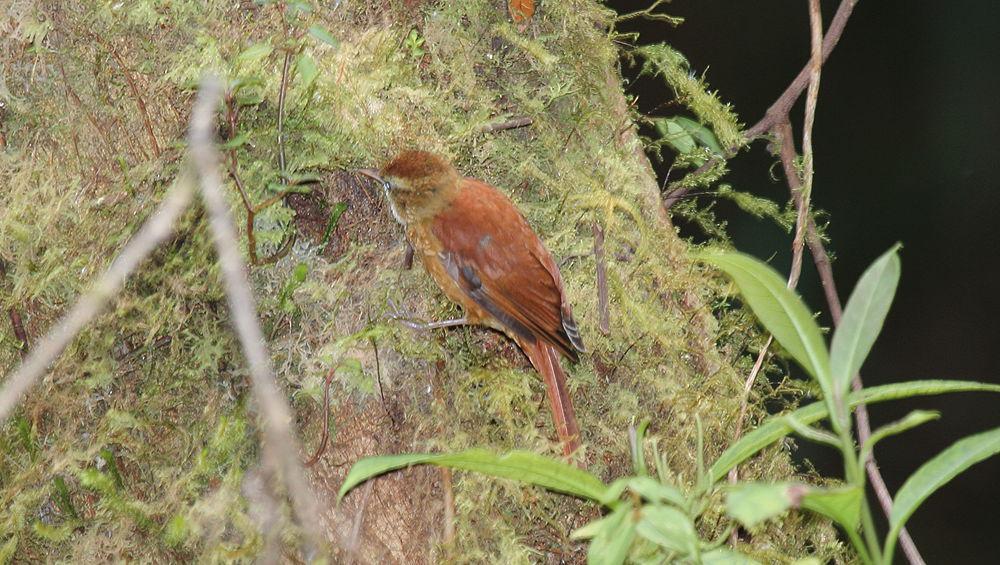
(659,520)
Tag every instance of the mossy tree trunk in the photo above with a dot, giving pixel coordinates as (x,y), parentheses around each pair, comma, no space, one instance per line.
(141,443)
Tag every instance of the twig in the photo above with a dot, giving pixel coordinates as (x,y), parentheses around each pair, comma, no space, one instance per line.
(783,105)
(509,124)
(281,443)
(783,130)
(90,116)
(678,194)
(649,15)
(359,520)
(232,116)
(324,438)
(156,229)
(135,92)
(449,506)
(603,306)
(15,319)
(281,114)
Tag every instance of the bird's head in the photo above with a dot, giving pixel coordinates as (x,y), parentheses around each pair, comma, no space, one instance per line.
(418,184)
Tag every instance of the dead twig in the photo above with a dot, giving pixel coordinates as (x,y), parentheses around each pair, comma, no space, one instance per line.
(147,123)
(509,124)
(603,306)
(449,506)
(15,319)
(325,436)
(280,441)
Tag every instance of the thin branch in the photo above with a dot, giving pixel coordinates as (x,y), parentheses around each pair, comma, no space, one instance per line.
(15,320)
(281,443)
(783,105)
(147,123)
(509,124)
(325,436)
(281,114)
(156,229)
(803,192)
(354,542)
(678,194)
(648,14)
(603,306)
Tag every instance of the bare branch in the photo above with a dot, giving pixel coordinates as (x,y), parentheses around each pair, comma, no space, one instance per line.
(603,306)
(509,124)
(281,445)
(783,105)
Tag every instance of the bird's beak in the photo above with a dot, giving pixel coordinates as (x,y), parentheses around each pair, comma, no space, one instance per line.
(370,173)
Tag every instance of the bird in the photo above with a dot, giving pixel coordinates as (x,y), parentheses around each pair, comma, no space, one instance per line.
(483,254)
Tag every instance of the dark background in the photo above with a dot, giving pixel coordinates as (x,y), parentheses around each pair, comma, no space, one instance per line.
(905,146)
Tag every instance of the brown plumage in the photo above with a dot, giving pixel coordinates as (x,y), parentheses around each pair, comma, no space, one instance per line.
(483,254)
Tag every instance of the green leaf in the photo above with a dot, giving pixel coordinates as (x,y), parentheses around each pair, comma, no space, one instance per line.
(254,54)
(236,142)
(675,136)
(522,466)
(912,420)
(319,32)
(335,213)
(669,528)
(752,503)
(779,309)
(863,318)
(724,556)
(934,474)
(612,543)
(777,427)
(306,67)
(592,529)
(299,274)
(842,505)
(646,487)
(702,134)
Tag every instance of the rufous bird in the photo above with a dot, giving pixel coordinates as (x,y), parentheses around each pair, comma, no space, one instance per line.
(483,254)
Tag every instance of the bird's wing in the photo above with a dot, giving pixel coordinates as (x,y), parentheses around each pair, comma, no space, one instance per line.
(500,263)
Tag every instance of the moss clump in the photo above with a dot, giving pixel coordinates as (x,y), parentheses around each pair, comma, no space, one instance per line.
(145,418)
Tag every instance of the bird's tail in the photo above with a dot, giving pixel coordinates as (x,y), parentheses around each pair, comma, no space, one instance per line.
(545,358)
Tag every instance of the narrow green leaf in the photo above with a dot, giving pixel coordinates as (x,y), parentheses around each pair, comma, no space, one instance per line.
(646,487)
(612,543)
(522,466)
(779,309)
(934,474)
(842,505)
(319,32)
(777,427)
(752,503)
(863,318)
(669,528)
(912,420)
(704,135)
(335,213)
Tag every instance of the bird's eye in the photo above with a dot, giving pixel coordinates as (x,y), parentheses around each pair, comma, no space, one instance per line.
(387,186)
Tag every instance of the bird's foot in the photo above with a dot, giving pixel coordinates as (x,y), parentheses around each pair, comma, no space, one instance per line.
(395,313)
